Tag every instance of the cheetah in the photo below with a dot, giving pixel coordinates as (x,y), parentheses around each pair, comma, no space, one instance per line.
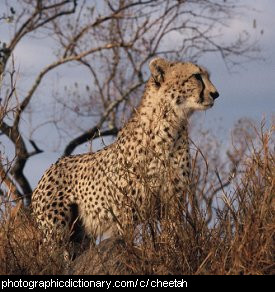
(102,189)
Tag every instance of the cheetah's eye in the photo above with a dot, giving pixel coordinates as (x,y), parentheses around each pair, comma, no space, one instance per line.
(198,76)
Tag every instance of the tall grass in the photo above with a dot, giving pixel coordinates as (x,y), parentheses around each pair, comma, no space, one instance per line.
(223,225)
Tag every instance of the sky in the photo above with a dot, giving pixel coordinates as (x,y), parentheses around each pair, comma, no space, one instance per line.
(247,91)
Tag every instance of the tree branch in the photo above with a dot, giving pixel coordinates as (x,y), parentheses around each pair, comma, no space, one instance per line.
(14,192)
(32,23)
(62,61)
(91,132)
(86,136)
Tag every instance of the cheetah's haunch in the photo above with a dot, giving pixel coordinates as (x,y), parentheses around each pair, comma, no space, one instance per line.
(149,159)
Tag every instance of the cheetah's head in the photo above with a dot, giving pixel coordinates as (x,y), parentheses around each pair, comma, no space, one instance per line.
(186,86)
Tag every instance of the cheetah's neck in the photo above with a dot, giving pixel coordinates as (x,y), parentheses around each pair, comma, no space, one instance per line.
(154,125)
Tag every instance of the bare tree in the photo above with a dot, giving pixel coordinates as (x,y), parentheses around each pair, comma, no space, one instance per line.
(112,41)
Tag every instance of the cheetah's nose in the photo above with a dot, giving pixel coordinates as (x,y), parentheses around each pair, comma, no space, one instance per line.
(214,95)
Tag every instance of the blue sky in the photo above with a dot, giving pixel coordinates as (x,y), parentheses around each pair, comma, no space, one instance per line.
(246,92)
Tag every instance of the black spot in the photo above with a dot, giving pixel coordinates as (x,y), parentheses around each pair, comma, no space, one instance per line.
(169,135)
(176,181)
(165,114)
(178,101)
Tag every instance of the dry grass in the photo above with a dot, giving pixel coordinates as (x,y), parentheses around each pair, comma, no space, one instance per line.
(222,226)
(22,251)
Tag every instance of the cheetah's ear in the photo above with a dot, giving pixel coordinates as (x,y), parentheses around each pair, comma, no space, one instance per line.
(158,67)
